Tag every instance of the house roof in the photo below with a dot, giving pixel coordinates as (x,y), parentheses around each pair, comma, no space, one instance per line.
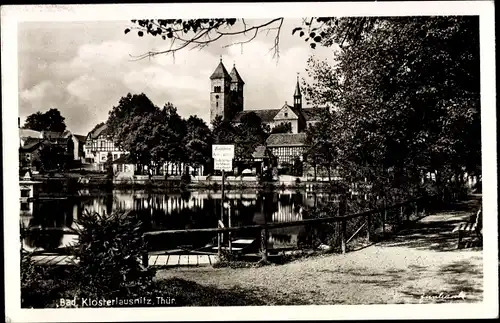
(286,139)
(28,133)
(30,144)
(292,109)
(235,76)
(264,115)
(80,138)
(98,131)
(52,134)
(313,114)
(220,72)
(262,152)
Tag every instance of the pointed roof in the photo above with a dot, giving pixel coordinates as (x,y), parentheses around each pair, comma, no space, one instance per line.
(297,88)
(220,72)
(235,76)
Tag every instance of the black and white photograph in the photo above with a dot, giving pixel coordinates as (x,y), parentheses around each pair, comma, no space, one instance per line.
(225,161)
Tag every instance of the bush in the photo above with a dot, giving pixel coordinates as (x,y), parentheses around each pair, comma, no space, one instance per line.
(110,249)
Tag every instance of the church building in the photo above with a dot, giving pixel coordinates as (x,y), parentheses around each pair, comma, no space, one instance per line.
(227,101)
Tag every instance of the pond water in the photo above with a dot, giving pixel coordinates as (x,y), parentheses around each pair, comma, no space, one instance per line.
(165,211)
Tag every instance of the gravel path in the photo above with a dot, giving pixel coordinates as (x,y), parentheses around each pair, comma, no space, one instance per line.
(419,265)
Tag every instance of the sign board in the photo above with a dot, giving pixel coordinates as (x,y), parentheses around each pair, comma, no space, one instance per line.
(223,151)
(223,164)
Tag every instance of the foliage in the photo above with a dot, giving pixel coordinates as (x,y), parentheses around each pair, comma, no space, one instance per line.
(50,157)
(199,33)
(223,131)
(407,100)
(110,248)
(323,145)
(48,121)
(197,142)
(284,127)
(128,107)
(250,133)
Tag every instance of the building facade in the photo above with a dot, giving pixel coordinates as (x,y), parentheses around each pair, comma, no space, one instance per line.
(226,101)
(98,145)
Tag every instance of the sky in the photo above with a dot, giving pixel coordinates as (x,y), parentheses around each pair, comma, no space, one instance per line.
(84,68)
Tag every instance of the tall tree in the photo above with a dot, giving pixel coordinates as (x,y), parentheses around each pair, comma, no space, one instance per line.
(128,107)
(408,95)
(250,133)
(223,131)
(52,120)
(197,142)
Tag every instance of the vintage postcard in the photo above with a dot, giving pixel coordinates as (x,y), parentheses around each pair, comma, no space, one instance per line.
(270,161)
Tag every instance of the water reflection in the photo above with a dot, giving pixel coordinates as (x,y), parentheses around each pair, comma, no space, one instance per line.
(162,211)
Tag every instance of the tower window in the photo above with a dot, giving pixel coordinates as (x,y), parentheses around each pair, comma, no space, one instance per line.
(217,89)
(216,104)
(216,96)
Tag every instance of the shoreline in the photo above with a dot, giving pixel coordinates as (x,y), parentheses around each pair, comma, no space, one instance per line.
(143,182)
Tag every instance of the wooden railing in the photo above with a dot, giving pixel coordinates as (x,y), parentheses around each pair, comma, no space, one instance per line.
(401,212)
(417,207)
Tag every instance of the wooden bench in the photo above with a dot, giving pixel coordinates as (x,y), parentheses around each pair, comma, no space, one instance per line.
(473,227)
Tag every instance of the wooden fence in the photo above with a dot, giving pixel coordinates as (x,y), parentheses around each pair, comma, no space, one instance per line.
(395,215)
(367,222)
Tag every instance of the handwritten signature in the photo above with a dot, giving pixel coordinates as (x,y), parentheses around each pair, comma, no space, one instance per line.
(443,296)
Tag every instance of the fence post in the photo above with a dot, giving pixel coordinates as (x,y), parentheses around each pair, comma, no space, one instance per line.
(145,261)
(384,219)
(400,217)
(263,243)
(368,226)
(343,236)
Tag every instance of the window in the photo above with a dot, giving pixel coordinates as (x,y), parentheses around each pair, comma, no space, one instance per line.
(25,193)
(115,156)
(25,206)
(216,104)
(286,114)
(119,167)
(103,157)
(217,89)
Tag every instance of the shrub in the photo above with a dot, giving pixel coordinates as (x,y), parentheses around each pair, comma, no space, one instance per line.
(110,249)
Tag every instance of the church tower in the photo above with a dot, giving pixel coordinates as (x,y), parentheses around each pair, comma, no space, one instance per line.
(220,92)
(236,96)
(297,96)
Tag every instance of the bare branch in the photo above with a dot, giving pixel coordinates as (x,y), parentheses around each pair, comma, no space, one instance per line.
(205,35)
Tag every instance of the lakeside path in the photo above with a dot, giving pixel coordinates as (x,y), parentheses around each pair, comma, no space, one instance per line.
(412,266)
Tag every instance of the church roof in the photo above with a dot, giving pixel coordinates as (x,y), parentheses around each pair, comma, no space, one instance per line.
(264,115)
(297,88)
(220,72)
(235,76)
(286,139)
